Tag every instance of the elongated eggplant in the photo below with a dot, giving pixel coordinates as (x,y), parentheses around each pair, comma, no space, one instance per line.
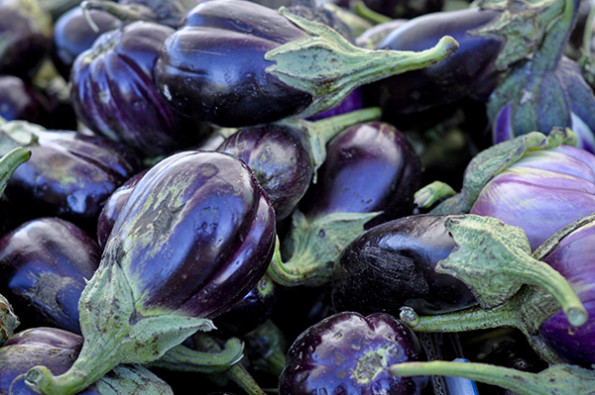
(73,35)
(114,95)
(58,349)
(195,235)
(349,353)
(44,266)
(69,174)
(237,63)
(25,37)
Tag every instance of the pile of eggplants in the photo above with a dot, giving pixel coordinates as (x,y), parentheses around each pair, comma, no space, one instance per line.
(296,197)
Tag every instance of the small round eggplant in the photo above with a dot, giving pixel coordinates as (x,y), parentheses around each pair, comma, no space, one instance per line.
(195,236)
(25,37)
(393,265)
(349,353)
(114,95)
(69,175)
(369,167)
(18,100)
(73,35)
(44,266)
(57,349)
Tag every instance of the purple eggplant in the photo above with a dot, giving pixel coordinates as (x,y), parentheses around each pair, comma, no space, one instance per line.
(18,100)
(69,175)
(349,353)
(344,183)
(394,265)
(471,71)
(195,236)
(344,200)
(25,37)
(44,266)
(543,192)
(57,349)
(236,63)
(73,35)
(286,155)
(114,95)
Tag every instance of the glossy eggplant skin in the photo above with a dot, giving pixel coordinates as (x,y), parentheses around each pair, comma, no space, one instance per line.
(114,95)
(55,348)
(44,265)
(18,100)
(369,167)
(73,35)
(392,265)
(280,158)
(469,72)
(196,234)
(573,258)
(215,61)
(112,206)
(348,353)
(70,175)
(25,37)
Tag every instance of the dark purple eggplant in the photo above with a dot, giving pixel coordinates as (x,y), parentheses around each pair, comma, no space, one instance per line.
(73,35)
(18,100)
(345,200)
(286,155)
(344,179)
(349,353)
(44,266)
(57,349)
(195,236)
(471,71)
(25,37)
(237,63)
(112,206)
(394,265)
(69,175)
(114,95)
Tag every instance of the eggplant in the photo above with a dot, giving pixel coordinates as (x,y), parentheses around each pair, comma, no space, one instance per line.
(25,37)
(195,235)
(404,8)
(44,266)
(58,348)
(113,92)
(285,156)
(69,174)
(546,91)
(235,63)
(73,35)
(344,200)
(19,101)
(349,353)
(394,265)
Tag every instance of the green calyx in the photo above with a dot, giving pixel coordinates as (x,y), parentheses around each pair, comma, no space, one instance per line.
(313,246)
(329,67)
(8,320)
(484,166)
(558,379)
